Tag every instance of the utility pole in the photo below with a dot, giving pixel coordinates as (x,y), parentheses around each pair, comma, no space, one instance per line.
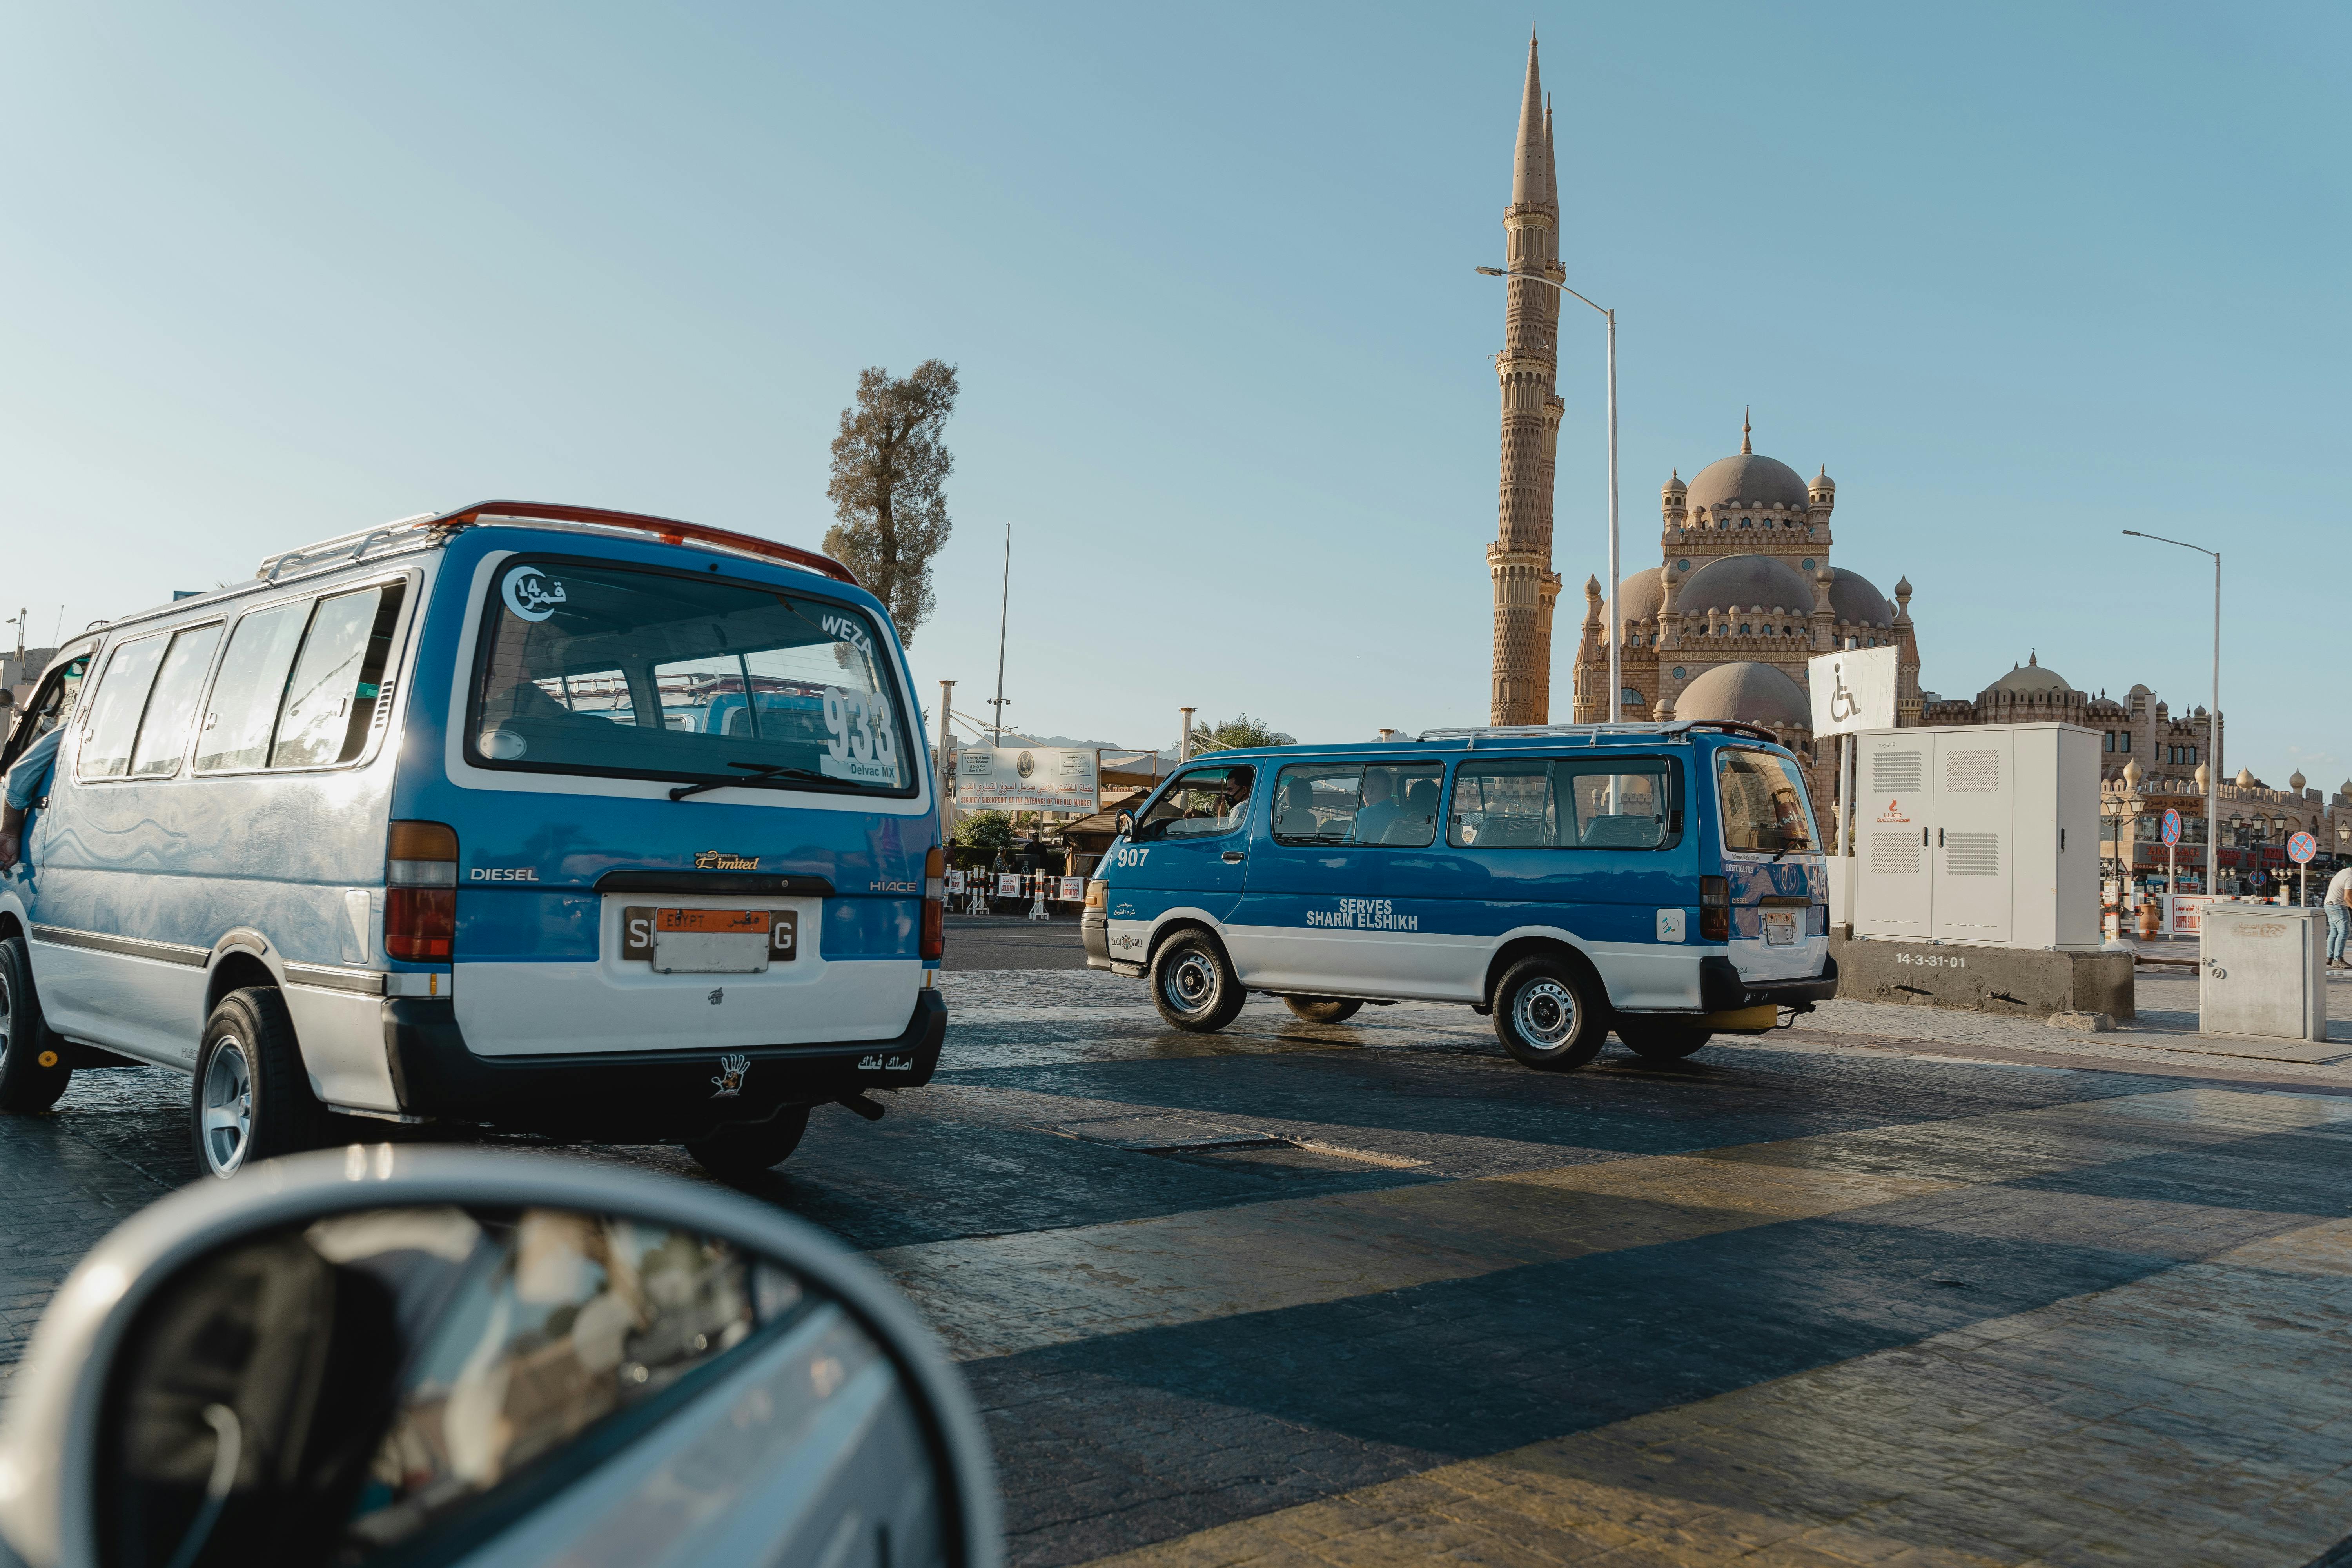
(1184,737)
(1004,617)
(946,822)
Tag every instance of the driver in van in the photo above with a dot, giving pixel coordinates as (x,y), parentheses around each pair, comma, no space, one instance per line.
(28,782)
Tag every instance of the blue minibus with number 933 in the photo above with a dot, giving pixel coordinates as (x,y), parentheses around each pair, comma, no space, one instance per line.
(537,817)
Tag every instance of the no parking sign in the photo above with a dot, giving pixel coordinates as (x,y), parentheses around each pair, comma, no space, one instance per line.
(2301,847)
(2171,826)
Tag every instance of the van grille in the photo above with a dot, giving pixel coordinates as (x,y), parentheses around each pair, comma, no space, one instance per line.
(1895,853)
(1972,854)
(1896,770)
(1972,773)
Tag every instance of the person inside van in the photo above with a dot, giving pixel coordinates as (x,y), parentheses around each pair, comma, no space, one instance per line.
(28,784)
(1379,810)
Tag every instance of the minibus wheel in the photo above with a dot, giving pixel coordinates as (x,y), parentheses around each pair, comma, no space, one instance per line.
(1324,1009)
(1545,1016)
(27,1082)
(251,1099)
(1662,1042)
(1194,983)
(744,1150)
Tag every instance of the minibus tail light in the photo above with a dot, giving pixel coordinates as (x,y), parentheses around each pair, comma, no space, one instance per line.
(420,894)
(1097,894)
(1714,908)
(935,903)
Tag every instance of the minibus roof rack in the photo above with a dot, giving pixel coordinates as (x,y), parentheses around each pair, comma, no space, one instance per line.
(1595,731)
(411,530)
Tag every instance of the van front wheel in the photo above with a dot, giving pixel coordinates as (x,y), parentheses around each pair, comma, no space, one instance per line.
(251,1100)
(1546,1017)
(743,1152)
(1193,984)
(33,1071)
(1662,1042)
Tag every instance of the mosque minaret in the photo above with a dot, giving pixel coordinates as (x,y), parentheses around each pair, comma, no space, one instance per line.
(1519,561)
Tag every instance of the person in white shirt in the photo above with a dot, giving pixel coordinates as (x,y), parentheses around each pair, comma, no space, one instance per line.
(2339,902)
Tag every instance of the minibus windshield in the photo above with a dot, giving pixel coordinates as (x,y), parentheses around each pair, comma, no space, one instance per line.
(597,667)
(1764,804)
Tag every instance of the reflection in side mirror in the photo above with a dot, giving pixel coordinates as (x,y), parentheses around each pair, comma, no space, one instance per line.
(409,1381)
(1125,822)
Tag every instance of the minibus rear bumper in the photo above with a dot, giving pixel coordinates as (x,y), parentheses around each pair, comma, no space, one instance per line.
(640,1096)
(1721,989)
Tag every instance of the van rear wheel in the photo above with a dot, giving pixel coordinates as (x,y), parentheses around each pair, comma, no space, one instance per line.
(1324,1009)
(1194,983)
(32,1070)
(1545,1017)
(743,1152)
(251,1099)
(1662,1042)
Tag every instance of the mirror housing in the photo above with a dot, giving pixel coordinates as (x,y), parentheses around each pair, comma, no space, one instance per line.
(53,1445)
(1125,823)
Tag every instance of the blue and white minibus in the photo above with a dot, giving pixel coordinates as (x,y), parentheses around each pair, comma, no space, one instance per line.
(531,817)
(1665,881)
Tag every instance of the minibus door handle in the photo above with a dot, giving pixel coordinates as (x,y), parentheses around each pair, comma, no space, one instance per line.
(1234,857)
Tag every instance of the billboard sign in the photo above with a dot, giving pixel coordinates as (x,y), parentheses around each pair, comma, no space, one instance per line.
(1025,778)
(1853,689)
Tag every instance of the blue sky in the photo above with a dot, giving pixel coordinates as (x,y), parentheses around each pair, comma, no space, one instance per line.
(2021,276)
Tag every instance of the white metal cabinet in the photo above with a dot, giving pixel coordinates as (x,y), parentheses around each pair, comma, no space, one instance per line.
(1986,833)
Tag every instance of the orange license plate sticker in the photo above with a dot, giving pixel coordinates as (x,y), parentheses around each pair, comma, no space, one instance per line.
(753,922)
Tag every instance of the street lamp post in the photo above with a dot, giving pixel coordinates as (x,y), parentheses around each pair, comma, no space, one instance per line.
(1610,709)
(2212,722)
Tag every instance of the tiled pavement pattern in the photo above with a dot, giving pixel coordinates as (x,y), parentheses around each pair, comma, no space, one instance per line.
(1900,1286)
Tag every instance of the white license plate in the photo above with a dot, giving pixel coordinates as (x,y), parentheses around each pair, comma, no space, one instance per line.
(1781,927)
(709,941)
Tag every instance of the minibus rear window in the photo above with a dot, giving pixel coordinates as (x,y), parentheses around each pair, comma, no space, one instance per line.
(1566,803)
(1764,804)
(598,667)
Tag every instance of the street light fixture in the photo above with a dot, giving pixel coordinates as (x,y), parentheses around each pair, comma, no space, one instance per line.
(2213,722)
(1612,709)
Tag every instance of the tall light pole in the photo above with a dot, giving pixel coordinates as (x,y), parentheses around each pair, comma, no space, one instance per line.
(1610,710)
(2212,724)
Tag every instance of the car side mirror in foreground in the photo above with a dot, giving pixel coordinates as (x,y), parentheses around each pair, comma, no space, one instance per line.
(420,1354)
(1125,823)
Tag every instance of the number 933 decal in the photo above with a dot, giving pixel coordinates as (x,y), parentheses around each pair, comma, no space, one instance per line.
(861,741)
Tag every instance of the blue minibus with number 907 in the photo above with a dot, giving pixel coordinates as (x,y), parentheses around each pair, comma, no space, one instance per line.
(1661,881)
(537,817)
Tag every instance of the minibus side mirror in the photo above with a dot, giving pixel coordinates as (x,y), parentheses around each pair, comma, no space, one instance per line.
(1125,823)
(426,1350)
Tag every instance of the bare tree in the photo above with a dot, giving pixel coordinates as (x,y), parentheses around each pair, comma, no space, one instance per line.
(889,468)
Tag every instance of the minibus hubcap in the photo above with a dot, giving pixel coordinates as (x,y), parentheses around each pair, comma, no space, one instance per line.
(228,1105)
(1545,1013)
(1190,981)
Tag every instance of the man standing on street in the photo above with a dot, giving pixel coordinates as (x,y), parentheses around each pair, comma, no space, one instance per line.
(2339,916)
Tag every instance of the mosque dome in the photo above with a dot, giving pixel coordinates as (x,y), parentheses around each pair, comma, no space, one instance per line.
(1748,480)
(2296,781)
(1742,582)
(1821,482)
(1853,598)
(2245,779)
(2030,677)
(1750,693)
(1640,595)
(1674,485)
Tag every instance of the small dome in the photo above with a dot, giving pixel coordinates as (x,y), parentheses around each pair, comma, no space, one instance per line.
(1903,587)
(1742,581)
(2347,790)
(1640,596)
(2295,781)
(1853,598)
(1751,693)
(1675,486)
(2131,772)
(1822,483)
(2245,779)
(1748,480)
(2033,675)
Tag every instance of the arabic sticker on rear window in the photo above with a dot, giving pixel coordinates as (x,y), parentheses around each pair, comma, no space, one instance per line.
(532,593)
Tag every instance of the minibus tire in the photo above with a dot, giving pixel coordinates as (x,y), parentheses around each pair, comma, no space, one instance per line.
(25,1085)
(1545,1017)
(1662,1042)
(284,1117)
(1323,1009)
(1191,965)
(745,1151)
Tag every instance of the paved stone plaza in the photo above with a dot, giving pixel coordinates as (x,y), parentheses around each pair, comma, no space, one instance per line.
(1901,1285)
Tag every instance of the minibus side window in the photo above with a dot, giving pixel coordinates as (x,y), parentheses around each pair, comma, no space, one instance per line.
(338,681)
(114,711)
(1394,804)
(1562,803)
(1200,803)
(172,707)
(250,688)
(50,705)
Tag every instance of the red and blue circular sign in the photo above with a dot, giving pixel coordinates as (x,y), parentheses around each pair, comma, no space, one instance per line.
(2301,847)
(2171,827)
